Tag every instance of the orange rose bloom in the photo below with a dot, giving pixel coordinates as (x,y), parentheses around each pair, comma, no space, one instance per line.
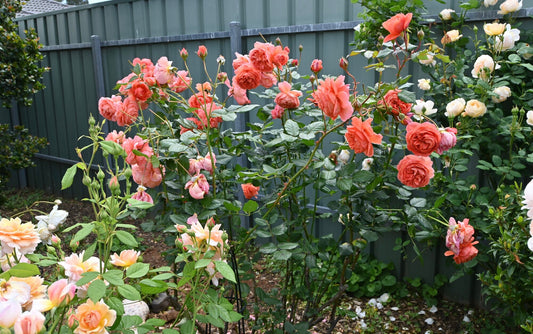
(286,97)
(415,171)
(394,105)
(250,191)
(396,25)
(333,98)
(260,57)
(17,235)
(422,138)
(93,318)
(140,91)
(247,77)
(129,112)
(360,136)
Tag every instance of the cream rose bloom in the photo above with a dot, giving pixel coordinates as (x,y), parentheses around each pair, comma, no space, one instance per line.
(494,29)
(529,117)
(507,41)
(430,60)
(510,6)
(455,107)
(503,93)
(487,3)
(17,235)
(446,14)
(424,84)
(450,36)
(474,108)
(483,67)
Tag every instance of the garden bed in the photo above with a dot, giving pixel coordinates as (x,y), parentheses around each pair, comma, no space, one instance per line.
(382,314)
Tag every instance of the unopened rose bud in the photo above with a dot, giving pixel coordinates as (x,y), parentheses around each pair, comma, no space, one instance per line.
(519,219)
(420,34)
(92,121)
(113,185)
(202,52)
(222,76)
(86,181)
(343,63)
(128,172)
(55,240)
(316,66)
(181,228)
(184,54)
(300,47)
(221,60)
(278,41)
(294,62)
(100,175)
(179,245)
(312,78)
(57,201)
(210,223)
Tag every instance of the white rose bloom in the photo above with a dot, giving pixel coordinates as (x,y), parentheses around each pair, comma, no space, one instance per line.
(367,163)
(510,6)
(487,3)
(424,84)
(54,218)
(455,107)
(529,116)
(530,244)
(503,93)
(344,156)
(446,14)
(44,233)
(423,108)
(507,41)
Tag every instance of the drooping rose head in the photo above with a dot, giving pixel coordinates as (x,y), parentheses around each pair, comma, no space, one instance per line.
(93,318)
(142,195)
(332,96)
(238,93)
(360,136)
(198,186)
(147,175)
(448,139)
(474,108)
(15,235)
(422,138)
(125,259)
(415,171)
(396,25)
(287,98)
(250,191)
(460,241)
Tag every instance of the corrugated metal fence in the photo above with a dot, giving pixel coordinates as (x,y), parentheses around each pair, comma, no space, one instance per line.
(88,49)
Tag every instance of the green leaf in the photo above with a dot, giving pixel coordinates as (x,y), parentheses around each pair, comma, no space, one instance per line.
(186,328)
(114,277)
(89,251)
(188,273)
(388,280)
(126,238)
(225,270)
(418,202)
(280,229)
(112,148)
(24,270)
(152,287)
(250,206)
(287,245)
(87,277)
(282,255)
(129,292)
(202,263)
(137,270)
(68,178)
(362,176)
(82,233)
(96,290)
(135,203)
(292,127)
(116,304)
(345,249)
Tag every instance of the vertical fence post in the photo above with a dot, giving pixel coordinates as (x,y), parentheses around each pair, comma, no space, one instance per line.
(240,121)
(98,68)
(15,120)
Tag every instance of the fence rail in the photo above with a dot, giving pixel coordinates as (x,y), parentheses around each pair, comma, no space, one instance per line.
(88,49)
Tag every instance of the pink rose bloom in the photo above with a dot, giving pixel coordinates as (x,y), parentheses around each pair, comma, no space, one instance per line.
(247,76)
(140,91)
(60,291)
(287,98)
(125,259)
(163,71)
(260,57)
(128,113)
(139,144)
(75,266)
(333,98)
(268,80)
(147,175)
(147,67)
(125,82)
(240,60)
(279,56)
(115,137)
(197,165)
(198,186)
(316,65)
(448,140)
(460,241)
(237,92)
(142,195)
(109,107)
(29,323)
(277,112)
(10,311)
(180,82)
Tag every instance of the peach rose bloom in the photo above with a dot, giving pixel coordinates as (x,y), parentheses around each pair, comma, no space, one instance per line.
(287,98)
(75,266)
(93,318)
(360,136)
(240,60)
(510,6)
(503,93)
(61,291)
(116,137)
(250,191)
(450,36)
(474,108)
(446,14)
(163,71)
(109,106)
(332,96)
(494,29)
(128,113)
(180,82)
(147,175)
(415,171)
(142,195)
(15,290)
(37,289)
(238,93)
(279,56)
(483,67)
(15,235)
(396,25)
(455,107)
(124,82)
(247,76)
(125,259)
(422,138)
(268,79)
(29,323)
(139,144)
(146,65)
(260,57)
